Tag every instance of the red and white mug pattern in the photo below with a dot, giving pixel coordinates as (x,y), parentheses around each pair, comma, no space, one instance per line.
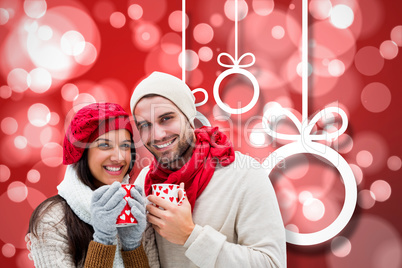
(126,218)
(169,192)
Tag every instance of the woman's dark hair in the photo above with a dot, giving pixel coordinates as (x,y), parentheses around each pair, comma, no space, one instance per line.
(79,233)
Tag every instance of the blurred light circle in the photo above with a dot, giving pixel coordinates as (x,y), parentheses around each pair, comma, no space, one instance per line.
(18,80)
(336,68)
(263,7)
(51,154)
(389,49)
(357,172)
(5,92)
(364,158)
(69,92)
(72,43)
(35,8)
(203,33)
(82,100)
(345,144)
(313,209)
(242,9)
(54,118)
(45,135)
(192,60)
(205,54)
(45,32)
(320,9)
(102,10)
(17,191)
(341,246)
(369,61)
(88,56)
(31,26)
(20,142)
(8,250)
(175,21)
(381,190)
(376,97)
(396,35)
(4,173)
(171,43)
(49,55)
(117,19)
(33,176)
(135,12)
(41,80)
(365,199)
(304,196)
(38,115)
(278,32)
(376,145)
(4,16)
(146,36)
(394,163)
(9,125)
(342,16)
(292,228)
(299,69)
(216,20)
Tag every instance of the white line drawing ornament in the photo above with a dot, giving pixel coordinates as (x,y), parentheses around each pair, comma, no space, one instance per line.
(304,143)
(199,115)
(236,68)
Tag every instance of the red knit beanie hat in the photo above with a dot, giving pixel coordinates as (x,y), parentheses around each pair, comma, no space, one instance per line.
(89,123)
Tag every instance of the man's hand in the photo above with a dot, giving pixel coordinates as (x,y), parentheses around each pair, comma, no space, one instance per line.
(174,223)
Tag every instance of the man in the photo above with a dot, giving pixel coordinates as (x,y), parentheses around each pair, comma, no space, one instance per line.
(230,217)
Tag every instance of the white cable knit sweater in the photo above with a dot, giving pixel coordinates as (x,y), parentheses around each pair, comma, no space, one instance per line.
(50,248)
(238,222)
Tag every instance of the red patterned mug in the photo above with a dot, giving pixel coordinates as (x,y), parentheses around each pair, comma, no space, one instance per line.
(126,218)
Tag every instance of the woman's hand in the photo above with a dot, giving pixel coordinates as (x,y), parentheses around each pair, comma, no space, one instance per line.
(107,204)
(130,236)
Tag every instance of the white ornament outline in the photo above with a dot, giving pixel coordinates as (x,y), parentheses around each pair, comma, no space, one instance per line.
(236,68)
(303,143)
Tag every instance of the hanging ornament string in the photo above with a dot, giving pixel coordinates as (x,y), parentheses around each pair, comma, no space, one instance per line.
(236,68)
(303,144)
(204,121)
(184,56)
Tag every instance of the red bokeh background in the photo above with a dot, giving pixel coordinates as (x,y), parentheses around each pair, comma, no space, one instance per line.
(357,66)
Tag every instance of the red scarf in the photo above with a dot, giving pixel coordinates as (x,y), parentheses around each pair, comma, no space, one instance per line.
(211,147)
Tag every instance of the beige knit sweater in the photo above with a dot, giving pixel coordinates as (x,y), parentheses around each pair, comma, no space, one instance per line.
(238,222)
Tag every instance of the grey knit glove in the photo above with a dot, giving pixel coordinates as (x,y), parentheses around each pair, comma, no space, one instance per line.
(107,203)
(130,236)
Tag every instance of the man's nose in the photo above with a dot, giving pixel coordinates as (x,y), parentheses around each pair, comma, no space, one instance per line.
(158,133)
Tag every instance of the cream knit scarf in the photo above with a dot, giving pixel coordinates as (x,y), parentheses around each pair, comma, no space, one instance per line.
(78,196)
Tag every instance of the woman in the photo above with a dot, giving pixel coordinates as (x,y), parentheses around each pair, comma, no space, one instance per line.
(77,227)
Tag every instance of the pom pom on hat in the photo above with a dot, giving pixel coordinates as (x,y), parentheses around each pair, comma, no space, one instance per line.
(169,87)
(89,123)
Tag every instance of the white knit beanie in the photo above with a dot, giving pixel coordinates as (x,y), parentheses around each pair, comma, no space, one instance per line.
(169,87)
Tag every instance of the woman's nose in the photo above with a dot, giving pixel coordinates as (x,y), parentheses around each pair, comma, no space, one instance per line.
(117,154)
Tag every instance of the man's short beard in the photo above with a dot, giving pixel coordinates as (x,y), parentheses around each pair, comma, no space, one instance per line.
(179,160)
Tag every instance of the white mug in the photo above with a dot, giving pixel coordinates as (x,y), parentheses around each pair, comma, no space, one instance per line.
(169,192)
